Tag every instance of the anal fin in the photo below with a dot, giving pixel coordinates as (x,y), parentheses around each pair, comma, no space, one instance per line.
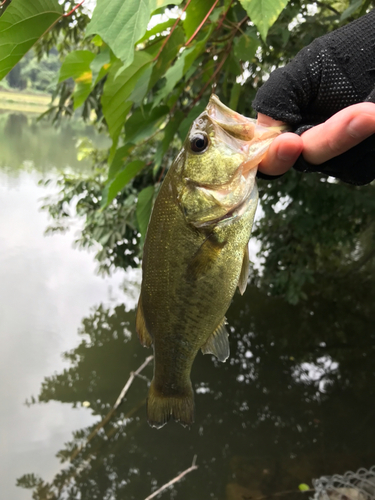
(244,275)
(140,326)
(218,344)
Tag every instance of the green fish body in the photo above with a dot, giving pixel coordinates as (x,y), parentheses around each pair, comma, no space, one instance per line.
(196,253)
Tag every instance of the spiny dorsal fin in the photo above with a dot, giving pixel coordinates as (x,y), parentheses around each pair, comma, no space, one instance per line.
(140,326)
(218,344)
(242,282)
(205,257)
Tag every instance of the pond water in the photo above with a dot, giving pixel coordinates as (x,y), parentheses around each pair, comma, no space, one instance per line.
(293,402)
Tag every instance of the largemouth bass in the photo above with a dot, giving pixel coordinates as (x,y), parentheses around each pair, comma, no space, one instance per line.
(196,252)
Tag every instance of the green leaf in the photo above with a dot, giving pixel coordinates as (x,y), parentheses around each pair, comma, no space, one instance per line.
(175,73)
(159,28)
(168,54)
(144,208)
(143,122)
(245,48)
(117,90)
(121,24)
(121,180)
(119,160)
(21,25)
(232,65)
(142,86)
(99,63)
(235,95)
(351,9)
(263,13)
(169,132)
(76,64)
(186,124)
(195,14)
(304,487)
(81,92)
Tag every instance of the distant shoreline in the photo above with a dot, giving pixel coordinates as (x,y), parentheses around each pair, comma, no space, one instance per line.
(24,102)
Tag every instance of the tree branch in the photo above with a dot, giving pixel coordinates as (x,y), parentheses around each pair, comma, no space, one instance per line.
(175,480)
(172,30)
(109,415)
(201,24)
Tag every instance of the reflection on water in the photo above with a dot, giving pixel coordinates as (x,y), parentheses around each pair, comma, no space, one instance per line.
(45,288)
(24,142)
(294,401)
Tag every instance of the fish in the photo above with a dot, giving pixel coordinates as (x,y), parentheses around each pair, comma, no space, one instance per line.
(196,252)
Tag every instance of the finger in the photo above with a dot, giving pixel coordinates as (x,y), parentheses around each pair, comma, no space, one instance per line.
(282,154)
(267,121)
(283,151)
(338,134)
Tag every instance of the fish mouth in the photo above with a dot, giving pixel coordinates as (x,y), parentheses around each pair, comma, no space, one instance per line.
(237,125)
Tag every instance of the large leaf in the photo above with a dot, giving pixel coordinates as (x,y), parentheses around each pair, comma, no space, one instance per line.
(187,122)
(121,180)
(117,90)
(177,71)
(21,25)
(77,66)
(159,28)
(169,133)
(121,24)
(168,54)
(246,46)
(119,160)
(263,13)
(144,208)
(144,122)
(195,14)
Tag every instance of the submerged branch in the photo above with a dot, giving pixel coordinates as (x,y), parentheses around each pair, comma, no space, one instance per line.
(109,415)
(175,480)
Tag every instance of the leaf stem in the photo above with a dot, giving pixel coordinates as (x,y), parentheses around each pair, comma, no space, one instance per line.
(224,16)
(74,9)
(172,30)
(202,23)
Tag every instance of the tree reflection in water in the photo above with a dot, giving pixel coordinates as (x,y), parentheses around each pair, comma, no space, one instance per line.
(294,401)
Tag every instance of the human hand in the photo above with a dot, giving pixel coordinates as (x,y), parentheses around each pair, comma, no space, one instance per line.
(335,136)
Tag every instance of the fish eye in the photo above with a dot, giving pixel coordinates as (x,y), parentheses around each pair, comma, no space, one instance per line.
(199,143)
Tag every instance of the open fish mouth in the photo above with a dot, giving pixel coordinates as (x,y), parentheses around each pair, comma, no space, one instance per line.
(237,125)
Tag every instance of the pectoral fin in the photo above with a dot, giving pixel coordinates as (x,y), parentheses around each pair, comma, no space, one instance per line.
(140,326)
(242,282)
(218,344)
(204,257)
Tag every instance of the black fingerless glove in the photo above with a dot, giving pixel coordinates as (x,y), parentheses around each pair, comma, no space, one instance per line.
(335,71)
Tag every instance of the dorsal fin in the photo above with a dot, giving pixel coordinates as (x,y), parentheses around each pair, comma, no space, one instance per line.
(242,282)
(140,326)
(218,344)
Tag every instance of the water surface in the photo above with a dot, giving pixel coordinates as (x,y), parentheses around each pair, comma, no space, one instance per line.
(294,401)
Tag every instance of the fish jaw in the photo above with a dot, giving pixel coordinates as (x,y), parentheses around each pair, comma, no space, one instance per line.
(237,125)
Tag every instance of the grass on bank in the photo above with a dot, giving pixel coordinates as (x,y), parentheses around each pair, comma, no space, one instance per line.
(23,102)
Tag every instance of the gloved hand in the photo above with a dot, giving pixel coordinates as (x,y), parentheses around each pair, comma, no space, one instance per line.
(327,95)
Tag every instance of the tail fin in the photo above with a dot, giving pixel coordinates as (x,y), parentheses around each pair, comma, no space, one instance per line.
(160,408)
